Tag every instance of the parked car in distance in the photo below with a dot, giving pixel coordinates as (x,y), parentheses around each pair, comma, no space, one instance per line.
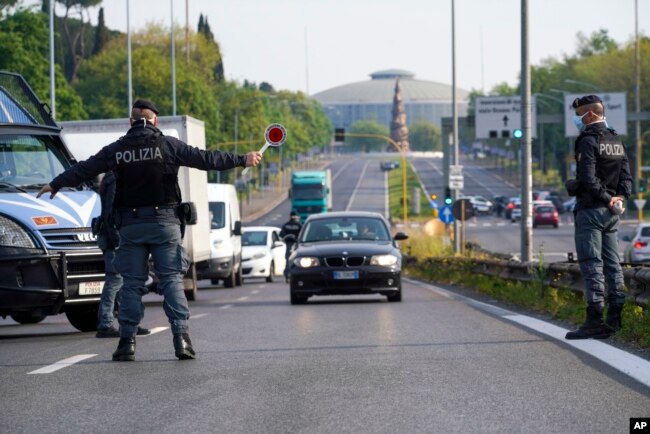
(481,205)
(262,252)
(343,253)
(638,249)
(545,215)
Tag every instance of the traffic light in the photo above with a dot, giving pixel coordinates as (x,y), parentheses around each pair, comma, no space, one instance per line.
(517,134)
(448,198)
(339,135)
(434,196)
(642,184)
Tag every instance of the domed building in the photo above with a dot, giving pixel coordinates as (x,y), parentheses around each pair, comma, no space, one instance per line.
(373,99)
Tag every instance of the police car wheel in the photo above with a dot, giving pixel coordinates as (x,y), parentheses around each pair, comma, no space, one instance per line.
(27,318)
(83,318)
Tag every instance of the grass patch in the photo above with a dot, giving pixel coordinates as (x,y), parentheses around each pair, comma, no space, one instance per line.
(395,194)
(535,295)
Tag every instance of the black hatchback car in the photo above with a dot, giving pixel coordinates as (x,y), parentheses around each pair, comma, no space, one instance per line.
(342,253)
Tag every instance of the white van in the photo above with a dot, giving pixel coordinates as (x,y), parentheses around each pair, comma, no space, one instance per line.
(225,237)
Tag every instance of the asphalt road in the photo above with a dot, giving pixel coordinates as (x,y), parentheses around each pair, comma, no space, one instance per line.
(436,362)
(432,363)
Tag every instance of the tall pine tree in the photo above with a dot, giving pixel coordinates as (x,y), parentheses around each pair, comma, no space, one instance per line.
(101,33)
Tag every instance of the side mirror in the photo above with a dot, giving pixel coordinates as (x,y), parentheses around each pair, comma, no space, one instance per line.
(626,238)
(237,230)
(400,236)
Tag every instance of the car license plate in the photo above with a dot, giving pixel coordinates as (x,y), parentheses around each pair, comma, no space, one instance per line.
(90,288)
(346,275)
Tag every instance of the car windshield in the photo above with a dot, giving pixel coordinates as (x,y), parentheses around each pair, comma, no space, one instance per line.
(217,214)
(345,228)
(254,238)
(645,231)
(29,161)
(313,191)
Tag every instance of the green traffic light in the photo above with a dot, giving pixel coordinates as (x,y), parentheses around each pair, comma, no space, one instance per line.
(517,134)
(448,200)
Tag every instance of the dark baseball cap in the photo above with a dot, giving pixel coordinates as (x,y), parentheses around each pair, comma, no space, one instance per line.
(293,213)
(145,104)
(586,100)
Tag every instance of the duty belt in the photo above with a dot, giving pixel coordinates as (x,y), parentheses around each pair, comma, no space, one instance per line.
(148,211)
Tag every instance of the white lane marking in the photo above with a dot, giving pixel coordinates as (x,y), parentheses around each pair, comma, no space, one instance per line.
(62,364)
(356,187)
(226,306)
(341,170)
(434,167)
(160,329)
(255,291)
(201,315)
(242,298)
(627,363)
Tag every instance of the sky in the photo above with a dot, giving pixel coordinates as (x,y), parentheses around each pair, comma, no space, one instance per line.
(315,45)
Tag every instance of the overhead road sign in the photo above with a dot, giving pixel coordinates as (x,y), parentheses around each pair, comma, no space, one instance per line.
(500,116)
(615,111)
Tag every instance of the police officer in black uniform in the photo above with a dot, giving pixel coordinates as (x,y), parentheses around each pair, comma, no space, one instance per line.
(289,234)
(147,198)
(603,181)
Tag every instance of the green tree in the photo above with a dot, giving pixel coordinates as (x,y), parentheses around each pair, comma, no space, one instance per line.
(367,144)
(425,136)
(74,31)
(24,49)
(101,33)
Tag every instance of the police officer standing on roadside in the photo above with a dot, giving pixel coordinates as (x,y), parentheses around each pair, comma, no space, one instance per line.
(603,181)
(289,234)
(147,199)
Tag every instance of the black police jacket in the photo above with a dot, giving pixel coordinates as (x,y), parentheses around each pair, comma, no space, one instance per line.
(174,153)
(602,169)
(107,195)
(290,228)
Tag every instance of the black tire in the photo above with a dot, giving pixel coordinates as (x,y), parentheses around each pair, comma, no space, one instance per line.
(83,318)
(230,281)
(27,318)
(396,296)
(297,299)
(214,281)
(238,277)
(269,278)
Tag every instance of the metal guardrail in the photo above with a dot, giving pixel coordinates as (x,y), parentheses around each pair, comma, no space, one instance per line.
(563,275)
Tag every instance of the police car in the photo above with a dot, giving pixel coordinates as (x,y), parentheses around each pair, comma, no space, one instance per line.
(49,259)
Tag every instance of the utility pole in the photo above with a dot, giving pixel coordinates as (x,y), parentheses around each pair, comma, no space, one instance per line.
(637,106)
(454,114)
(526,155)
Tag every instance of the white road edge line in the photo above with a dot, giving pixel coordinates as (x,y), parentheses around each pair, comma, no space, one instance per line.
(627,363)
(201,315)
(62,364)
(242,298)
(226,306)
(255,291)
(356,187)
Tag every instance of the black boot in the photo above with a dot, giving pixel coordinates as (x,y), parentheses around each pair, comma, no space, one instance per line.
(613,319)
(125,350)
(594,327)
(183,347)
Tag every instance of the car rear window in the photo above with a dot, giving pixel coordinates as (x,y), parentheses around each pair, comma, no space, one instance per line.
(545,209)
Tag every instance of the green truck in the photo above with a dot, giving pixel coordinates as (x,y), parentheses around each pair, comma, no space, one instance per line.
(311,192)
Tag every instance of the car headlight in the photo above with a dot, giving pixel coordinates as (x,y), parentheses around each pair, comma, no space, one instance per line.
(306,262)
(13,235)
(259,255)
(383,260)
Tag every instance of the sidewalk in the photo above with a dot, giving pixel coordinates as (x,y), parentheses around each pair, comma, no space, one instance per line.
(261,201)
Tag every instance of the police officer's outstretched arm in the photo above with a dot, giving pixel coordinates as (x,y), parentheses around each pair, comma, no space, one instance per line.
(191,156)
(80,172)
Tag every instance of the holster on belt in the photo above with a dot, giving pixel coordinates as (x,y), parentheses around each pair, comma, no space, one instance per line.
(187,215)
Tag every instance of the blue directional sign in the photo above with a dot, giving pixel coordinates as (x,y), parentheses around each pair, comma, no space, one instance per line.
(446,215)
